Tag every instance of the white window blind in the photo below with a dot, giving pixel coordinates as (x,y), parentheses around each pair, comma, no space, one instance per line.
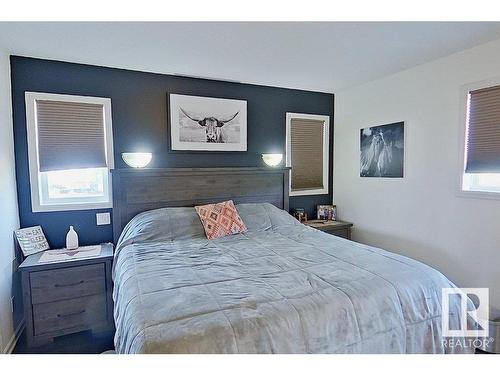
(70,135)
(483,131)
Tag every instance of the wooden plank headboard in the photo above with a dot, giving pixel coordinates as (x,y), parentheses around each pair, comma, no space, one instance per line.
(138,190)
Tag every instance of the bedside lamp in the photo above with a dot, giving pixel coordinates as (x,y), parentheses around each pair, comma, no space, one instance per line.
(137,159)
(272,160)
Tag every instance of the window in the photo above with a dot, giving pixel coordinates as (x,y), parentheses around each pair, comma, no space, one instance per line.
(481,162)
(307,151)
(70,150)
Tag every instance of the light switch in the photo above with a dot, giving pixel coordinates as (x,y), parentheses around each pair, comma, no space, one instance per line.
(103,218)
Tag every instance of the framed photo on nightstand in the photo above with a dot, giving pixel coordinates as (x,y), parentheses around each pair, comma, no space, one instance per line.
(31,240)
(326,212)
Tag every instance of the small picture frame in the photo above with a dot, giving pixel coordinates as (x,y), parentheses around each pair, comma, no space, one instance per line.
(300,215)
(327,212)
(31,240)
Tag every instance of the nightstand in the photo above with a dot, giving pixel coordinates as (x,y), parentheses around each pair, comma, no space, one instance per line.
(337,228)
(66,297)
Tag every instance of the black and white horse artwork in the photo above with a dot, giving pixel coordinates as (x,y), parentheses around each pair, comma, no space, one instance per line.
(382,151)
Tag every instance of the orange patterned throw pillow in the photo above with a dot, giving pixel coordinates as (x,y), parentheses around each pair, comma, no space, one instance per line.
(220,219)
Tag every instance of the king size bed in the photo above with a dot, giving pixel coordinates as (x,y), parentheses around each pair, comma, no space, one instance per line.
(280,287)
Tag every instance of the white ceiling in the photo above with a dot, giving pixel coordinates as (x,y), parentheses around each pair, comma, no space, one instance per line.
(313,56)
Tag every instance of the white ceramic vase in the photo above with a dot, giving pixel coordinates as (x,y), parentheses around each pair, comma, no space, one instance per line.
(71,239)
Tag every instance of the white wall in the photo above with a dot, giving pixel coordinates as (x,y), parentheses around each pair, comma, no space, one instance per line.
(421,216)
(8,203)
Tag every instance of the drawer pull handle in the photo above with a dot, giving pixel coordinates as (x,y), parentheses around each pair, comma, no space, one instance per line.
(70,314)
(71,284)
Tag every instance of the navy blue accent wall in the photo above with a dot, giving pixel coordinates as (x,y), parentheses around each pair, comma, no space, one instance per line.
(139,110)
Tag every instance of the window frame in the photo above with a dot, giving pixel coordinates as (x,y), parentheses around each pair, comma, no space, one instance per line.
(462,139)
(463,133)
(36,183)
(326,152)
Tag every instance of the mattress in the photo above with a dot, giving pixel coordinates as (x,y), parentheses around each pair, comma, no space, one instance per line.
(281,287)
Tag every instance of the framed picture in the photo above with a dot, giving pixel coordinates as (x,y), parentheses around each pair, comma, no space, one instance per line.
(382,150)
(300,215)
(31,240)
(326,212)
(207,124)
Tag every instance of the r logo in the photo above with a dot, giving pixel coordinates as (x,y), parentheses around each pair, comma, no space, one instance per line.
(473,321)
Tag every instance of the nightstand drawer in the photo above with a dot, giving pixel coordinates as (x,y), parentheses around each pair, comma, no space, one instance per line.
(340,232)
(66,283)
(77,314)
(336,228)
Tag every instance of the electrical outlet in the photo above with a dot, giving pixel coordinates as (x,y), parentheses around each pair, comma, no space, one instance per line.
(103,218)
(12,304)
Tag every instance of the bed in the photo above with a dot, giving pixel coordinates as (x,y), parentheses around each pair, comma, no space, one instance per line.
(281,287)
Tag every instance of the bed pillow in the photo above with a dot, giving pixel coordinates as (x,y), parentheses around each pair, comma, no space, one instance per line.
(163,224)
(255,216)
(220,219)
(265,216)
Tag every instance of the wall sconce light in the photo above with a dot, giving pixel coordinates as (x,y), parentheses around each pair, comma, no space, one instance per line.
(272,160)
(137,159)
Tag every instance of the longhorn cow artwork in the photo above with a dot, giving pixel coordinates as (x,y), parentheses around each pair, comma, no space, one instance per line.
(212,125)
(207,124)
(382,151)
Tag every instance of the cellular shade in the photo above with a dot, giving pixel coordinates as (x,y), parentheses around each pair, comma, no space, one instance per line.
(483,138)
(306,153)
(70,135)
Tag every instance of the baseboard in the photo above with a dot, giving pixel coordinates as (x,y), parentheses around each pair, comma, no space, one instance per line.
(13,340)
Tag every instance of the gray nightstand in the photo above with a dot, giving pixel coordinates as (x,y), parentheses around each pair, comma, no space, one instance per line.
(337,228)
(66,297)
